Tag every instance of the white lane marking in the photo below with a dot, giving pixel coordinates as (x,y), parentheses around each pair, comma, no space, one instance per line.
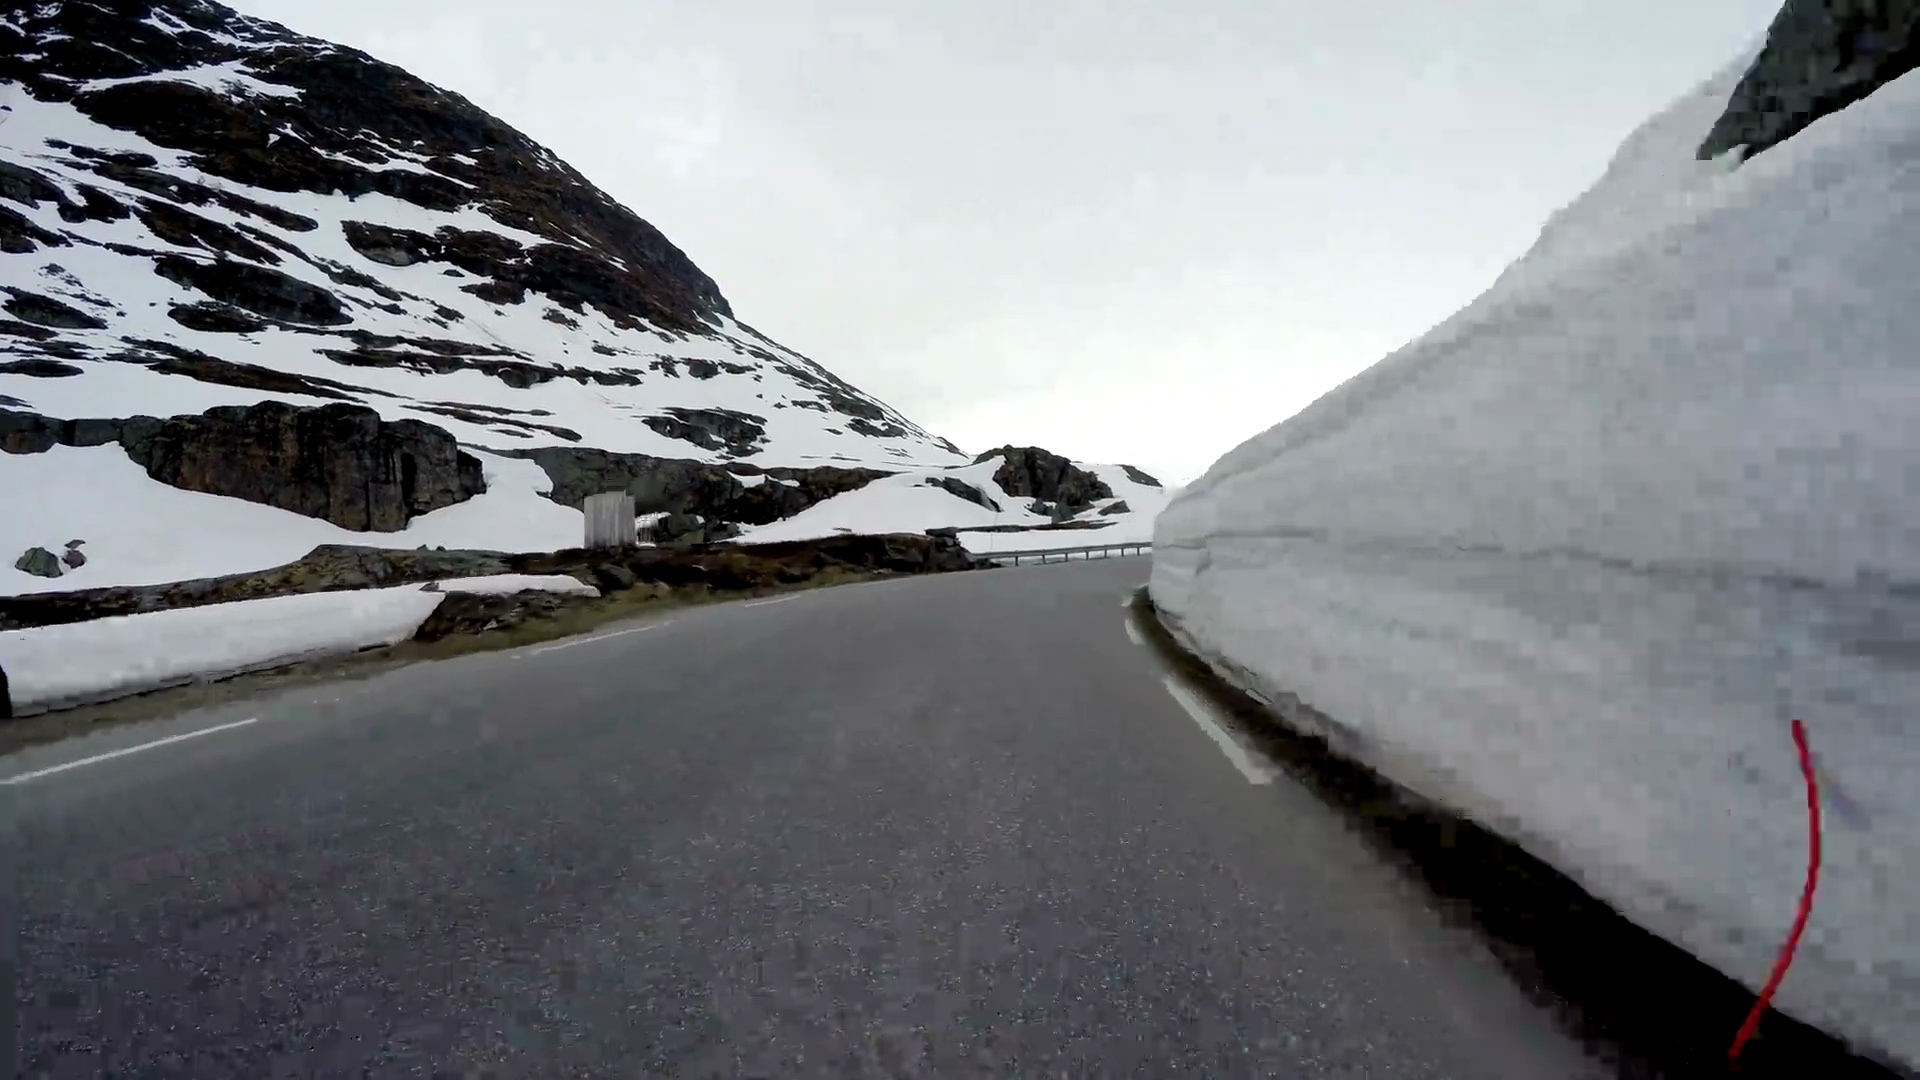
(110,755)
(1133,633)
(775,600)
(596,637)
(1202,715)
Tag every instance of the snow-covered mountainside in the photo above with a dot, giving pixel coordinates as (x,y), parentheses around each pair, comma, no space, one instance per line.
(1572,560)
(205,211)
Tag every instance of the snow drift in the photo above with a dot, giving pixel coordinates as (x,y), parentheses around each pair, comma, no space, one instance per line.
(1572,560)
(79,663)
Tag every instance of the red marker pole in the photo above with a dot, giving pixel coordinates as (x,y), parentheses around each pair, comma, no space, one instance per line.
(1806,898)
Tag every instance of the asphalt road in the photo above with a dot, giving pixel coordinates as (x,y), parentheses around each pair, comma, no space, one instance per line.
(951,826)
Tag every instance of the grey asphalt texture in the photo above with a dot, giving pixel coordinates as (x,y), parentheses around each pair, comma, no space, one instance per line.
(945,826)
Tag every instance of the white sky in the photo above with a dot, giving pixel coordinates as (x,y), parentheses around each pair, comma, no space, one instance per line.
(1136,230)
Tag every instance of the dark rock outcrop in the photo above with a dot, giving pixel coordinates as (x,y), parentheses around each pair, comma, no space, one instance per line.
(184,228)
(213,317)
(714,493)
(31,307)
(340,463)
(1140,477)
(955,486)
(738,433)
(1119,507)
(31,433)
(40,563)
(73,558)
(40,367)
(1029,471)
(258,289)
(1821,56)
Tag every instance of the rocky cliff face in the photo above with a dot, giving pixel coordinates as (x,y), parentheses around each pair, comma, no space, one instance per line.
(1820,57)
(340,463)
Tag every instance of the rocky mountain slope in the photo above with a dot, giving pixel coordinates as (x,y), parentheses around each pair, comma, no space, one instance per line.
(246,264)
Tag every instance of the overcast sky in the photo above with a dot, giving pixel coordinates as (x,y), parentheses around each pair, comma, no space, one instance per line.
(1138,230)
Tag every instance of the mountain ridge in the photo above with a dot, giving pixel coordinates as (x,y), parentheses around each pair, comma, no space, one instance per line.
(241,263)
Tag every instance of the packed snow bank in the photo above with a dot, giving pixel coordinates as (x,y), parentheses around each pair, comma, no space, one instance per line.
(55,666)
(1573,560)
(508,584)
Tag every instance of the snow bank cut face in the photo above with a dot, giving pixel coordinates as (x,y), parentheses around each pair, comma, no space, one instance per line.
(60,665)
(1573,559)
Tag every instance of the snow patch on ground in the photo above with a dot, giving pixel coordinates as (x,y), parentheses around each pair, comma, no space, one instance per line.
(51,666)
(1572,561)
(140,532)
(909,503)
(508,584)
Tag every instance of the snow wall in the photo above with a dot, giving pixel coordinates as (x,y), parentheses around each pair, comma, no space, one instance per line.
(1571,561)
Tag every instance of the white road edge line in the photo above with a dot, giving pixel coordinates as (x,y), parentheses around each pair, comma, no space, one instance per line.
(1202,715)
(764,603)
(596,637)
(110,755)
(1133,633)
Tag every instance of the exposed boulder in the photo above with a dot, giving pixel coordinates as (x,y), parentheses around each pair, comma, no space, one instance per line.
(1820,57)
(613,578)
(73,558)
(1118,506)
(40,563)
(340,463)
(687,530)
(478,613)
(1140,477)
(1029,471)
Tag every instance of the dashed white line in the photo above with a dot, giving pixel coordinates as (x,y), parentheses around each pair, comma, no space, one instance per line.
(775,600)
(110,755)
(596,637)
(1133,633)
(1202,714)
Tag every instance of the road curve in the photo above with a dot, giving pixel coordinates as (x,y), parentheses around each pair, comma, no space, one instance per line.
(945,826)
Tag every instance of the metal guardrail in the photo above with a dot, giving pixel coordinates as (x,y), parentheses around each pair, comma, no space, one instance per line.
(1091,551)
